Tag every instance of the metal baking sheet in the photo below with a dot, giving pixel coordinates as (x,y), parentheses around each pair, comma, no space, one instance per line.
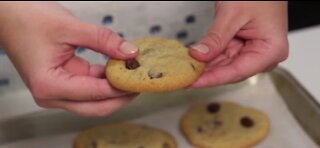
(294,114)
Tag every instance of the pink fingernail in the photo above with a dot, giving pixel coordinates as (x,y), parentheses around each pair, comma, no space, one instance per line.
(200,48)
(128,48)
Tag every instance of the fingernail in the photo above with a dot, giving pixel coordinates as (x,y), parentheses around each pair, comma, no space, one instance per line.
(128,48)
(201,48)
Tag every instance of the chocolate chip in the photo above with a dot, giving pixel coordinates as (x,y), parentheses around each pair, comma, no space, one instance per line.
(246,122)
(217,123)
(94,144)
(165,145)
(213,107)
(194,68)
(141,146)
(154,75)
(199,129)
(132,64)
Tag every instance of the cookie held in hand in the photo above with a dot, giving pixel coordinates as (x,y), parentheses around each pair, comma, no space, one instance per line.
(224,125)
(124,135)
(162,65)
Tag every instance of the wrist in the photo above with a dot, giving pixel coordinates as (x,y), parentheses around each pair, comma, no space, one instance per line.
(4,6)
(8,11)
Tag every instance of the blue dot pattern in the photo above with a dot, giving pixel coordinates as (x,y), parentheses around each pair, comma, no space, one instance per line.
(182,34)
(190,19)
(2,52)
(80,50)
(4,82)
(190,43)
(107,20)
(155,29)
(121,34)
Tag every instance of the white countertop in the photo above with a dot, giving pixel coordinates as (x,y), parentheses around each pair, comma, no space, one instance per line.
(304,58)
(303,63)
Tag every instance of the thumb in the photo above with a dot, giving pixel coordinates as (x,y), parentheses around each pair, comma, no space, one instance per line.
(225,26)
(103,40)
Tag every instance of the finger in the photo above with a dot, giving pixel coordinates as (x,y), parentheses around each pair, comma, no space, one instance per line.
(91,108)
(243,66)
(270,68)
(79,66)
(232,50)
(103,40)
(216,61)
(97,70)
(223,29)
(79,87)
(234,47)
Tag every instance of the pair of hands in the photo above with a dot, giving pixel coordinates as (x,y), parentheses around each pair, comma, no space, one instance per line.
(40,38)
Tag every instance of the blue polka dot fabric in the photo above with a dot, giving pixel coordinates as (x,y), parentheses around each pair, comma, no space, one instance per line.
(80,50)
(155,29)
(2,53)
(121,34)
(183,34)
(130,21)
(107,20)
(4,82)
(190,19)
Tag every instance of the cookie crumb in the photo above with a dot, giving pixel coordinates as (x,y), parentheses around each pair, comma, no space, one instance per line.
(155,75)
(194,68)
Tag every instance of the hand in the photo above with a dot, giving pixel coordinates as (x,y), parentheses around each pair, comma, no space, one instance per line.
(41,38)
(245,38)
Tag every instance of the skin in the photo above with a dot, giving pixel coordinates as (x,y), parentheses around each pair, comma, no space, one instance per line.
(245,38)
(40,38)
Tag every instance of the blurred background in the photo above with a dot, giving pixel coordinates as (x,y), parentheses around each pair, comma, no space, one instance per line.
(185,24)
(303,14)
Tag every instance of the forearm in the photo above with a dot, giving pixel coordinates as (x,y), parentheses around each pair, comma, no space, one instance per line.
(12,15)
(4,19)
(16,16)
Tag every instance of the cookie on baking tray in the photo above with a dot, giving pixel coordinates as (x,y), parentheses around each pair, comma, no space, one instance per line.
(162,65)
(224,125)
(124,135)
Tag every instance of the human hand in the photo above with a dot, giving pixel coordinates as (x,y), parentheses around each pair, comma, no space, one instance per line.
(245,38)
(41,38)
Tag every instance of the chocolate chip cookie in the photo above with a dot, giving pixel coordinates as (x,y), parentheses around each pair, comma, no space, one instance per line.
(162,65)
(124,135)
(224,125)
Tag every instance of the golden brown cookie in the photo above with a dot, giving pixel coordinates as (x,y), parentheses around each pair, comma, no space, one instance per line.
(124,135)
(161,65)
(224,125)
